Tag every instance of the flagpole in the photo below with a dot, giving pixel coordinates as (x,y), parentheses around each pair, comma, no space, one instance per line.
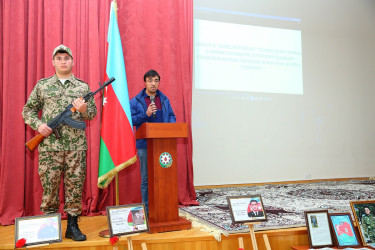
(105,233)
(117,192)
(117,180)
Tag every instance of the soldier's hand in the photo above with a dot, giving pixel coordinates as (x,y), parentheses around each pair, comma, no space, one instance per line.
(44,130)
(80,105)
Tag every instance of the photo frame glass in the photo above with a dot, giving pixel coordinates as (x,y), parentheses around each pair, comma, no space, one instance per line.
(318,229)
(344,231)
(364,216)
(246,209)
(37,230)
(127,219)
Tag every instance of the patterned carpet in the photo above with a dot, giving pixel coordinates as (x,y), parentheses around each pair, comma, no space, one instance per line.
(284,203)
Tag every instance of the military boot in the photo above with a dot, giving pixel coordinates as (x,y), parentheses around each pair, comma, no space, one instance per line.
(72,229)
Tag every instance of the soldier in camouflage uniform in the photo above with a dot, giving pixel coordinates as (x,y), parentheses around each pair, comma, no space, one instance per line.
(368,225)
(66,155)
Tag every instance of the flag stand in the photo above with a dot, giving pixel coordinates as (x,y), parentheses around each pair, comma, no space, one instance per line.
(105,233)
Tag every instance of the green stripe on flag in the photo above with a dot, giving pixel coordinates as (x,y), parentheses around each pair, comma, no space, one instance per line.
(107,169)
(106,166)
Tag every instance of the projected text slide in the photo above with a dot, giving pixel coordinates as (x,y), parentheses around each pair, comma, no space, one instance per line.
(237,57)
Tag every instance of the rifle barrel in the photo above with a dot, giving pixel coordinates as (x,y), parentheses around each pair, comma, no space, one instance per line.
(104,85)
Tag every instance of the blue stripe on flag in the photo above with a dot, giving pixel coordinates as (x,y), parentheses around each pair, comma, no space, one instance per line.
(116,65)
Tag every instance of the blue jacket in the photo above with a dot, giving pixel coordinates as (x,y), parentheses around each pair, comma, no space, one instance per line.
(138,109)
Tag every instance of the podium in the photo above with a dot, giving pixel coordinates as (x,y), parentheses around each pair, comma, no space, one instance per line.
(162,175)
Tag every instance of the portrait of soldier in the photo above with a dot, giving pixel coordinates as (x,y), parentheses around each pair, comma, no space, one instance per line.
(368,225)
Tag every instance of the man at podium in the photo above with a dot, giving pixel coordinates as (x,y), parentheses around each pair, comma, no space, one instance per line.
(149,105)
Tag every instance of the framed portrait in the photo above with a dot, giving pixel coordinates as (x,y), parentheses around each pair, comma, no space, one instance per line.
(36,230)
(246,209)
(127,219)
(344,232)
(318,229)
(364,216)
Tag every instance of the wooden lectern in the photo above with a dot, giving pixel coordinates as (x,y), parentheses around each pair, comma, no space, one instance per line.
(162,175)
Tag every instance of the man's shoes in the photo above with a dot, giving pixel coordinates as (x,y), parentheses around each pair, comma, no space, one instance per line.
(72,229)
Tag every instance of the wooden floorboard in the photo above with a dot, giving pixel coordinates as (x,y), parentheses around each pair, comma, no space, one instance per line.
(193,239)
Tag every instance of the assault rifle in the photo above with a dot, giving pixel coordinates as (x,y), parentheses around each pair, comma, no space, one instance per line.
(63,118)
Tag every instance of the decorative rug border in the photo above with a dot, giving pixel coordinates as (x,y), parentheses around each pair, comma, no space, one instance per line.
(206,226)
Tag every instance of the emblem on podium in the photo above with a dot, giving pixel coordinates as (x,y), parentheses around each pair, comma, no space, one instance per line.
(165,160)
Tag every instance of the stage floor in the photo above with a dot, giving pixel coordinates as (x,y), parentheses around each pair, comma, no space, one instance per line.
(190,239)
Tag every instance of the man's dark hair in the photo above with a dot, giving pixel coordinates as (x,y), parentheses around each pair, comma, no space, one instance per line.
(151,73)
(254,201)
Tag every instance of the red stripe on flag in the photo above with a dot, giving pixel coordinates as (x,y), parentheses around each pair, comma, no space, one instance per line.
(116,131)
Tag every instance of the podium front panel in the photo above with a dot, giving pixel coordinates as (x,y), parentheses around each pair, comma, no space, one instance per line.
(162,180)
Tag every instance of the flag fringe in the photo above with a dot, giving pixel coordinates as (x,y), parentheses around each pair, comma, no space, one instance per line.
(107,178)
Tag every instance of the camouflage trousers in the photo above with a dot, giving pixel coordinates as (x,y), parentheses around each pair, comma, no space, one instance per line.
(371,237)
(52,164)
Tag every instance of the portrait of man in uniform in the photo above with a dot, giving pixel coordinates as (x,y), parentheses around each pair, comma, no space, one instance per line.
(364,216)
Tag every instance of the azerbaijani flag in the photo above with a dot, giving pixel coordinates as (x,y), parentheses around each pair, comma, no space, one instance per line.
(117,144)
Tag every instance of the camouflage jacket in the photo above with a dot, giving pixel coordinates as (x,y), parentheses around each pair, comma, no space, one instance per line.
(368,224)
(52,97)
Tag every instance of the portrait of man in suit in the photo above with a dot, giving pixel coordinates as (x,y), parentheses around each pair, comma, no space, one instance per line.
(246,208)
(254,210)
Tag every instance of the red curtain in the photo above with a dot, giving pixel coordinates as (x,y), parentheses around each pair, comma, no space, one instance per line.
(155,34)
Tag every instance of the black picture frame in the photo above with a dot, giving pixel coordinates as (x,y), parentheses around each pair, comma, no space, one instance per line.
(318,229)
(127,219)
(38,230)
(240,208)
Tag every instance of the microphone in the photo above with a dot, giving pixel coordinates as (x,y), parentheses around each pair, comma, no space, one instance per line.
(152,98)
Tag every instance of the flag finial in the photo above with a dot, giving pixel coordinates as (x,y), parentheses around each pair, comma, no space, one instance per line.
(115,8)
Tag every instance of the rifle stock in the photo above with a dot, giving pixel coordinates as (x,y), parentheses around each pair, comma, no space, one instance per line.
(34,142)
